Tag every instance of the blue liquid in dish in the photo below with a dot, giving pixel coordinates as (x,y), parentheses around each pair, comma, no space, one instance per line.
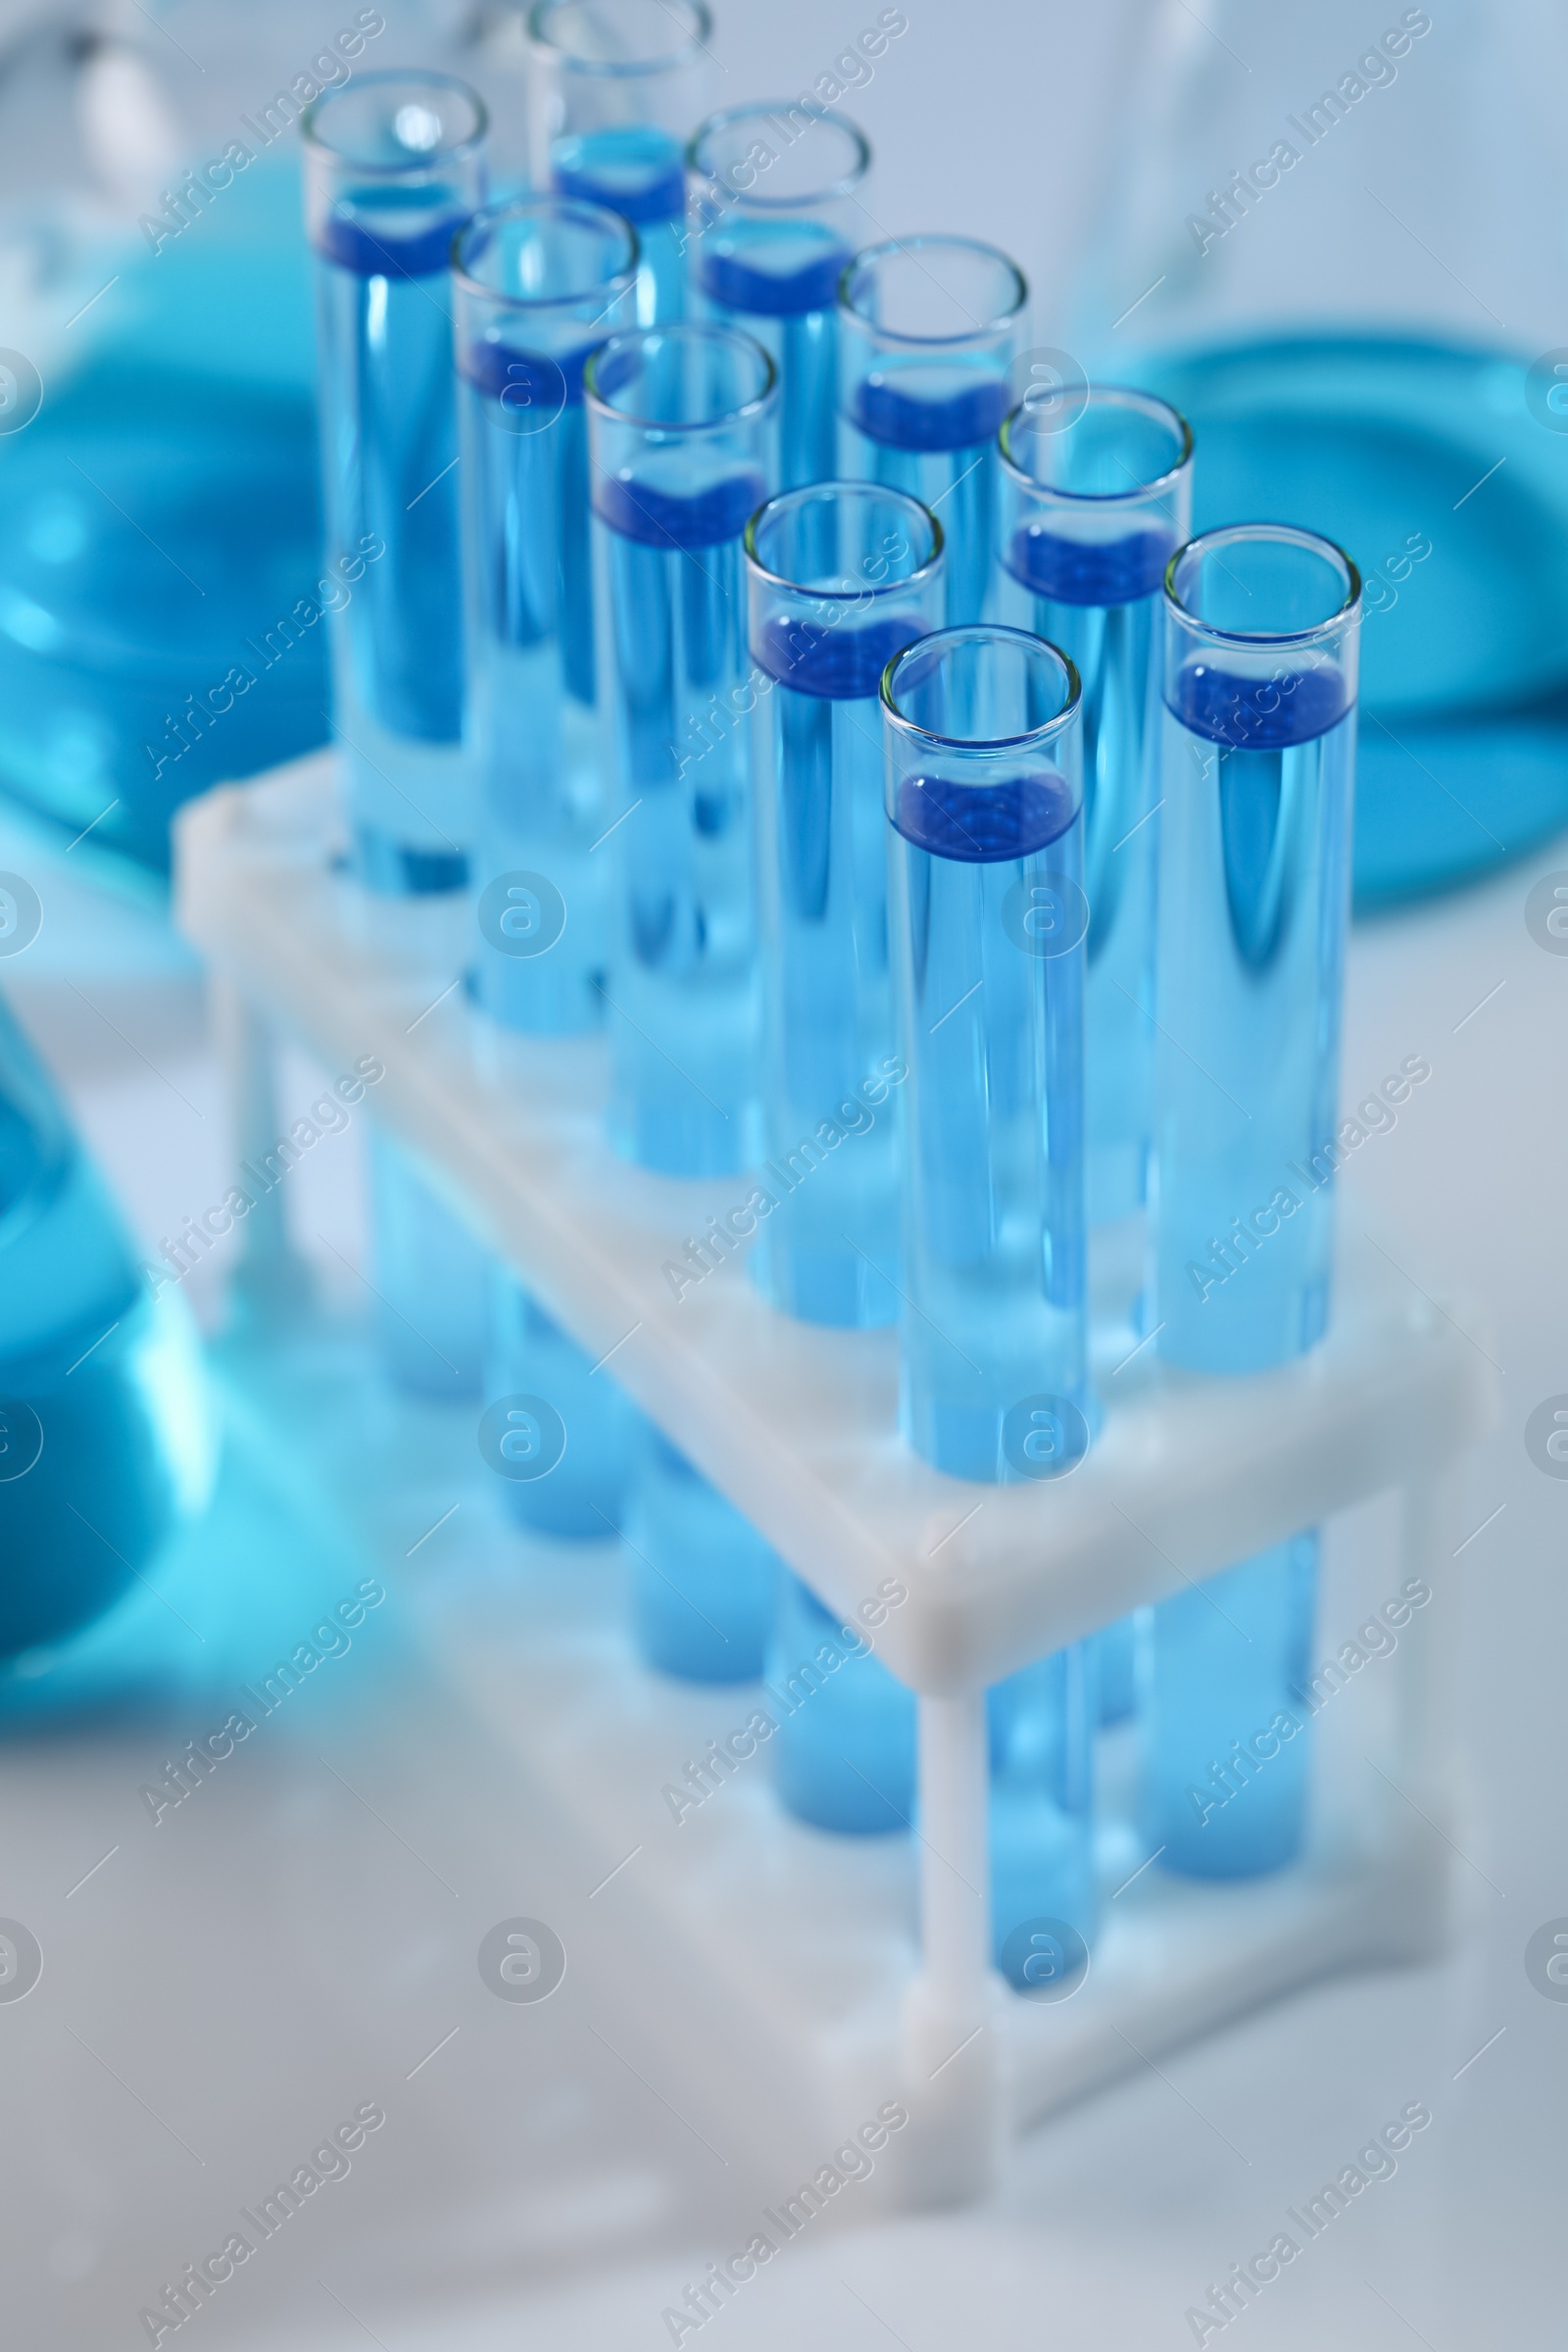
(93,1426)
(1041,1724)
(844,1751)
(705,1583)
(532,676)
(1225,1723)
(638,172)
(931,431)
(993,1214)
(1254,872)
(829,1250)
(778,280)
(1098,603)
(583,1496)
(1463,753)
(681,1007)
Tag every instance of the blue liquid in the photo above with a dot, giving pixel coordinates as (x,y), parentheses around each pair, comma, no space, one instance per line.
(1042,1725)
(844,1750)
(583,1496)
(995,1246)
(1099,605)
(829,1252)
(1463,751)
(778,280)
(533,715)
(1225,1671)
(85,1516)
(1117,1648)
(638,172)
(931,431)
(1255,871)
(432,1281)
(705,1583)
(682,1002)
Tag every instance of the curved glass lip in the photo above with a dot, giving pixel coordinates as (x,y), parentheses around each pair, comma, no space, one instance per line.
(875,252)
(747,199)
(685,331)
(989,632)
(415,166)
(560,207)
(1283,534)
(1120,396)
(920,577)
(612,69)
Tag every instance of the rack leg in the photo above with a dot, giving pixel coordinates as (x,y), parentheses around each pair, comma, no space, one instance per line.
(1428,1762)
(953,2018)
(270,1279)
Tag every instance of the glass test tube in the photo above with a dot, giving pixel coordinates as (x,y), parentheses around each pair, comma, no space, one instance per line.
(681,428)
(928,331)
(843,1752)
(529,1355)
(537,284)
(616,89)
(394,168)
(1095,502)
(986,927)
(840,577)
(775,213)
(431,1280)
(1041,1724)
(703,1583)
(1262,626)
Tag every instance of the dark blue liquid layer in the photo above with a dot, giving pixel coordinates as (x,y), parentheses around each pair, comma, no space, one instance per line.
(837,664)
(729,278)
(526,383)
(635,172)
(886,412)
(1258,714)
(1116,571)
(676,521)
(385,250)
(984,825)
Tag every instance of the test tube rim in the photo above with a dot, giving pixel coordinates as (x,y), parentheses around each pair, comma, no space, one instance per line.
(920,577)
(1035,737)
(417,168)
(593,215)
(611,69)
(679,329)
(743,199)
(1285,533)
(1118,395)
(906,245)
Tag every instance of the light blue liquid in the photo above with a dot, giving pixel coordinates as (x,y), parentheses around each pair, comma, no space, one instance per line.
(1100,612)
(432,1283)
(532,679)
(389,452)
(1042,1726)
(931,430)
(638,172)
(844,1750)
(705,1583)
(1116,1646)
(584,1495)
(1379,443)
(993,1214)
(778,280)
(682,1007)
(1226,1746)
(91,1434)
(829,1252)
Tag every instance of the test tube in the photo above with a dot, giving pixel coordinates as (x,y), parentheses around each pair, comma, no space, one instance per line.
(681,425)
(1096,499)
(840,577)
(394,168)
(537,284)
(986,937)
(581,1497)
(616,89)
(843,1749)
(703,1583)
(928,332)
(1262,626)
(775,212)
(1044,1905)
(431,1280)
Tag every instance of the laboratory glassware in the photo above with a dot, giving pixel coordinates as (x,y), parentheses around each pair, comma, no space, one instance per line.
(1042,1723)
(703,1583)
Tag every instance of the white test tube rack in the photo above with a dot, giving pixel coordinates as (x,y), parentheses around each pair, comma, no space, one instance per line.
(796,1966)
